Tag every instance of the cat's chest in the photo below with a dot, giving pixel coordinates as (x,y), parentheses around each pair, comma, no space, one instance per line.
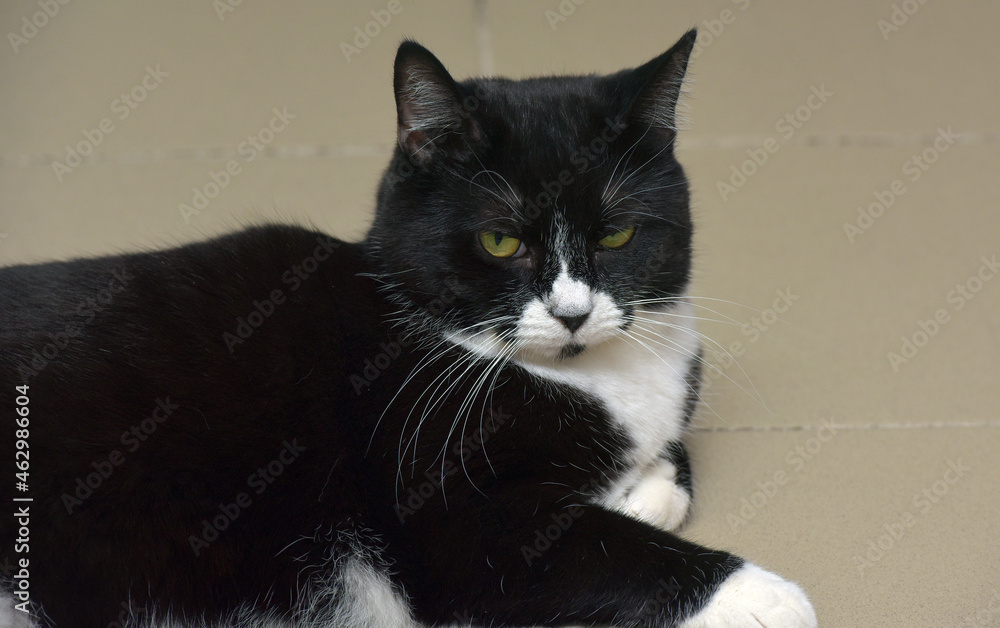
(641,381)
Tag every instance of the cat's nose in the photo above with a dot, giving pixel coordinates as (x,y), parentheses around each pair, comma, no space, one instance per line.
(573,323)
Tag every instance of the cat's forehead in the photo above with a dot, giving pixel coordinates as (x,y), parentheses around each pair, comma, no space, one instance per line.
(561,114)
(555,141)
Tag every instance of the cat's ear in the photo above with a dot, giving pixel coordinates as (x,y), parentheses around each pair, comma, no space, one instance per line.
(658,85)
(429,107)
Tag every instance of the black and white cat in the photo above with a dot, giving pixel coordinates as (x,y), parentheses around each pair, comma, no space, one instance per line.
(472,418)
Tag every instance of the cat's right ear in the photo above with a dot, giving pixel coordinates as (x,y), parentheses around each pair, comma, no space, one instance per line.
(429,108)
(659,83)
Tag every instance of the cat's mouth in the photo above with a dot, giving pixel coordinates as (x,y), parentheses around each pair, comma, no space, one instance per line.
(571,351)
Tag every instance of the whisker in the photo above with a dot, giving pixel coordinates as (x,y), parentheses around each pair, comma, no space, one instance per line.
(673,300)
(636,193)
(638,340)
(694,317)
(429,359)
(623,158)
(467,404)
(495,365)
(756,396)
(639,169)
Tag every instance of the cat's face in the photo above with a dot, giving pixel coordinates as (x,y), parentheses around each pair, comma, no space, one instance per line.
(534,216)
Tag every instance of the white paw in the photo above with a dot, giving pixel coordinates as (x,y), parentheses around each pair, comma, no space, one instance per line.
(657,499)
(752,598)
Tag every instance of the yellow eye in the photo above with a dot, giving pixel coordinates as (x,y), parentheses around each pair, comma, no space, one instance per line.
(618,238)
(498,244)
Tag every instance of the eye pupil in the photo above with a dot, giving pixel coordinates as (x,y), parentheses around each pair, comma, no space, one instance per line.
(500,245)
(618,239)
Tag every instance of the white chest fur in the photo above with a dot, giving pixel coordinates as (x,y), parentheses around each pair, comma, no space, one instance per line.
(640,377)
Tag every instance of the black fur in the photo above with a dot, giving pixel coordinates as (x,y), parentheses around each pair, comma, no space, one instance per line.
(279,346)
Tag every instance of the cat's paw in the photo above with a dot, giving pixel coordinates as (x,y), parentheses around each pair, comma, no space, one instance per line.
(658,499)
(751,598)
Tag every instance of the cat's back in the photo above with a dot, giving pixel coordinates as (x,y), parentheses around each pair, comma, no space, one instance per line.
(180,372)
(217,293)
(227,321)
(236,331)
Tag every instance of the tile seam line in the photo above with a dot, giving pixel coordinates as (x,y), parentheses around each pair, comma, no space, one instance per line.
(484,38)
(314,151)
(842,140)
(850,427)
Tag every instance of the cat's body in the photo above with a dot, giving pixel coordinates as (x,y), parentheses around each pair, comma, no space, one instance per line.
(459,422)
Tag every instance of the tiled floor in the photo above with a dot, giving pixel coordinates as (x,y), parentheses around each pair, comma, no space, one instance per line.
(888,518)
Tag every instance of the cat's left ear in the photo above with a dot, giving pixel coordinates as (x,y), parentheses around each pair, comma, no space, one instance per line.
(658,84)
(429,106)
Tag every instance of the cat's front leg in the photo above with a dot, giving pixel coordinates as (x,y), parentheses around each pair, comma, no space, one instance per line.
(754,597)
(509,563)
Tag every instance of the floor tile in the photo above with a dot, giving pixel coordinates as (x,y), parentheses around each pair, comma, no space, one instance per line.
(871,316)
(213,81)
(880,527)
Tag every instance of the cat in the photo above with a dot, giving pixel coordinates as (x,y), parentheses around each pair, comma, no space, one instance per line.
(474,417)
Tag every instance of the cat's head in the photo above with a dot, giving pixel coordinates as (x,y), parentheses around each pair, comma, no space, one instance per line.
(534,215)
